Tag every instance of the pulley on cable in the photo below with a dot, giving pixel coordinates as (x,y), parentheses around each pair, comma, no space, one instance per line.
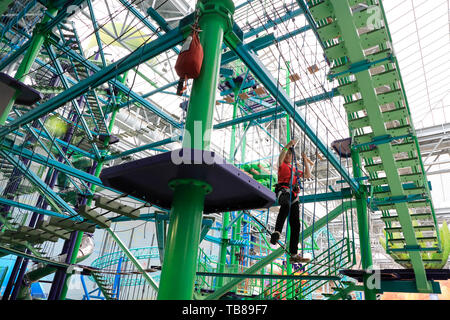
(190,59)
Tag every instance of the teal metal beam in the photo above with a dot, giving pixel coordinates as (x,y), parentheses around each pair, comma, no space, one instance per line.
(97,35)
(302,4)
(268,276)
(406,286)
(38,158)
(75,105)
(63,14)
(272,23)
(30,208)
(264,76)
(144,53)
(49,194)
(133,260)
(145,21)
(274,110)
(22,254)
(144,147)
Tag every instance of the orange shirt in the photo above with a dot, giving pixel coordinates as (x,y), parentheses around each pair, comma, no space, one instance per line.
(284,175)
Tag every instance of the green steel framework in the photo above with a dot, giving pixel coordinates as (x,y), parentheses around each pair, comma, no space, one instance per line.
(375,148)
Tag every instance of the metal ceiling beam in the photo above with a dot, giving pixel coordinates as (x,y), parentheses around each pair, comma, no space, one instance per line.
(128,62)
(263,75)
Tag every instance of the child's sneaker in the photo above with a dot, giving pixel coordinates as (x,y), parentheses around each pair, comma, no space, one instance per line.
(298,259)
(275,237)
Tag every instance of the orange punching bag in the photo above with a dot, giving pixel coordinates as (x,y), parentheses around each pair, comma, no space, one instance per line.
(189,61)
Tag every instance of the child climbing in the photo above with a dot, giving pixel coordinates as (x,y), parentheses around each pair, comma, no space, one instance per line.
(288,180)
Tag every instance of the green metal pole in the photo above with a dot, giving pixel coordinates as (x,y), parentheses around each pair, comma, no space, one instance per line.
(28,59)
(223,247)
(226,215)
(363,228)
(180,258)
(4,6)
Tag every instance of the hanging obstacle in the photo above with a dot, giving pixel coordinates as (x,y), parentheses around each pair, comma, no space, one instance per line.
(190,59)
(343,147)
(149,179)
(112,139)
(294,77)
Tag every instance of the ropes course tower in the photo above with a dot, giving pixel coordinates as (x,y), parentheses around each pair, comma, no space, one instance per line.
(140,147)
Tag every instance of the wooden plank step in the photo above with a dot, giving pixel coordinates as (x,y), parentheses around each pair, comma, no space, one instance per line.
(370,153)
(408,190)
(380,195)
(12,241)
(400,131)
(68,224)
(339,68)
(56,231)
(413,191)
(27,237)
(116,207)
(94,216)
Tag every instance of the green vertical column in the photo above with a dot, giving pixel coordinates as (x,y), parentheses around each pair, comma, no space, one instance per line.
(363,228)
(35,46)
(223,247)
(226,216)
(4,5)
(180,258)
